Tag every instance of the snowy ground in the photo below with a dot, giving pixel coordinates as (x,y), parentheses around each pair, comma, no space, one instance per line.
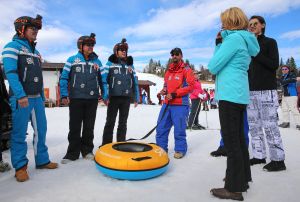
(188,179)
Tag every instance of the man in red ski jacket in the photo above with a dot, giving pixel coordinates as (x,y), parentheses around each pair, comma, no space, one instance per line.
(179,82)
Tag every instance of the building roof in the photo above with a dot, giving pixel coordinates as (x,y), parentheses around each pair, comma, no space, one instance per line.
(49,65)
(146,82)
(52,66)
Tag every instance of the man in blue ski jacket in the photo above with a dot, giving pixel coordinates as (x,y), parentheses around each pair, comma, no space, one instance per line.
(82,75)
(22,66)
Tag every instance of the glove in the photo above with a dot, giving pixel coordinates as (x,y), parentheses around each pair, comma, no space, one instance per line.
(219,38)
(202,96)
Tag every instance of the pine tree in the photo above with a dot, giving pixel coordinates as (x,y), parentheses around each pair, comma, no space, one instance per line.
(158,63)
(187,62)
(292,63)
(287,62)
(281,62)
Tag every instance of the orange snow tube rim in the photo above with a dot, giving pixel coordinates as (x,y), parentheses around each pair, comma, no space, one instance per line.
(131,156)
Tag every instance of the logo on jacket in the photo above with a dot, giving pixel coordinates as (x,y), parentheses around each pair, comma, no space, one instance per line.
(177,77)
(36,79)
(82,85)
(127,91)
(116,71)
(119,82)
(78,69)
(24,49)
(92,93)
(29,61)
(170,78)
(77,61)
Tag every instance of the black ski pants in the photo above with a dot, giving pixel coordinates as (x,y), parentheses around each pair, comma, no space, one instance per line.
(238,172)
(82,113)
(116,104)
(194,114)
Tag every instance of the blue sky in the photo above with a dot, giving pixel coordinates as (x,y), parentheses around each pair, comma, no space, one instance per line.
(152,27)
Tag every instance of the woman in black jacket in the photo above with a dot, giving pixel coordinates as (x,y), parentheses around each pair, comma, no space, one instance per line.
(262,110)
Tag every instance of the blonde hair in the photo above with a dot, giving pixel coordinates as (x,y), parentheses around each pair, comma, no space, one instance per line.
(234,18)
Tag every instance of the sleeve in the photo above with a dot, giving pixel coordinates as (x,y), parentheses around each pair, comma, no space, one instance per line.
(135,85)
(64,79)
(291,79)
(190,80)
(223,53)
(270,60)
(197,89)
(10,63)
(165,82)
(103,84)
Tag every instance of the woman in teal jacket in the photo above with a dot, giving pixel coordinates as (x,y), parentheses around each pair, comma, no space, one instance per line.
(230,62)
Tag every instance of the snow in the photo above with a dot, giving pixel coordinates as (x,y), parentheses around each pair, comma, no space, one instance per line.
(187,180)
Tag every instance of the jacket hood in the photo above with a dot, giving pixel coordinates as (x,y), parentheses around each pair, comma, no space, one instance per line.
(250,39)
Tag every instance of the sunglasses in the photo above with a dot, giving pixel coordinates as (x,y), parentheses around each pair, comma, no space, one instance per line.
(33,28)
(90,44)
(253,24)
(175,54)
(283,69)
(122,49)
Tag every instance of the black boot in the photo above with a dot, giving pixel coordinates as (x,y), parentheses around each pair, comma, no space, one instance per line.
(254,161)
(275,166)
(219,152)
(284,125)
(298,127)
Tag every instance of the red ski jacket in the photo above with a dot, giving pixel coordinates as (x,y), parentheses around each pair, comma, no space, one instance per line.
(179,80)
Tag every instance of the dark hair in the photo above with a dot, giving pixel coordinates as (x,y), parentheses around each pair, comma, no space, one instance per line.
(176,50)
(261,20)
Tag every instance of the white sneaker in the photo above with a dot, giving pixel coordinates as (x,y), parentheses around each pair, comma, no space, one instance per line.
(89,156)
(65,161)
(4,166)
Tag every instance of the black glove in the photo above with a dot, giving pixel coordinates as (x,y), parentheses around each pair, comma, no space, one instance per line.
(173,95)
(219,38)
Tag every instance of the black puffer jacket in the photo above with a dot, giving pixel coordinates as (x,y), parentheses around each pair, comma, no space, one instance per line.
(262,69)
(3,96)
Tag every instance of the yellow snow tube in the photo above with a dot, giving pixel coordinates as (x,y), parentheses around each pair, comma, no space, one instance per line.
(131,160)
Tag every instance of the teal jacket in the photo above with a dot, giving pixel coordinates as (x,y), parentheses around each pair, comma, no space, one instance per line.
(230,64)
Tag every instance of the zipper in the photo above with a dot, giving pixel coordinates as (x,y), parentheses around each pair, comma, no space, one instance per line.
(130,83)
(74,81)
(25,72)
(112,86)
(90,69)
(97,82)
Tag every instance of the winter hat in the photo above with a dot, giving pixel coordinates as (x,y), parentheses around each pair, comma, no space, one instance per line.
(22,22)
(86,40)
(122,45)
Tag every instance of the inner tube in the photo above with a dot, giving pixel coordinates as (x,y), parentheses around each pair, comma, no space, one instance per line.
(131,160)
